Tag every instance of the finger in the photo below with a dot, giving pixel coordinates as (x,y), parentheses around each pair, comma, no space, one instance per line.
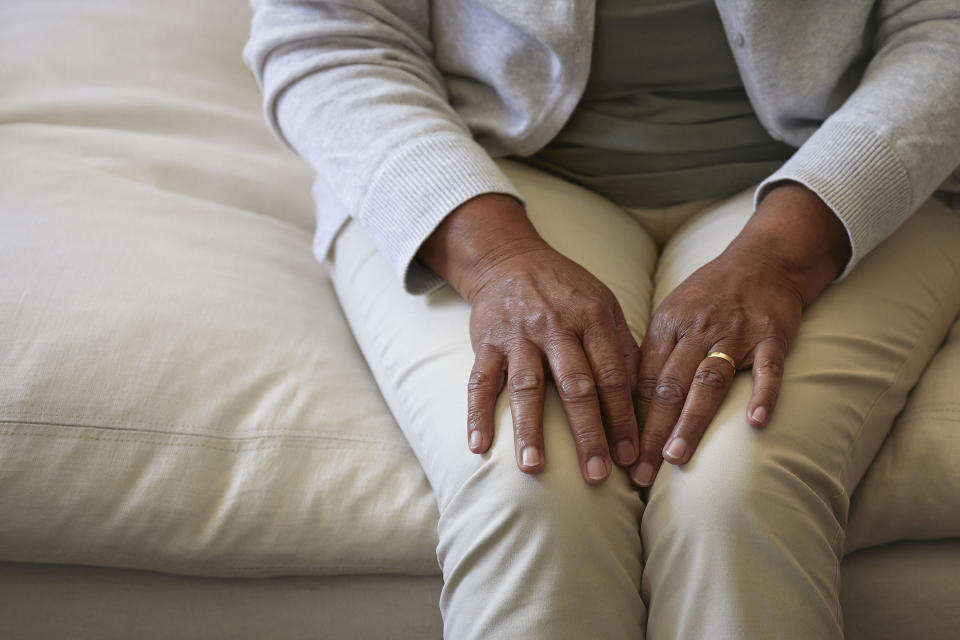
(525,382)
(486,380)
(578,394)
(654,351)
(669,395)
(628,344)
(710,385)
(605,355)
(767,375)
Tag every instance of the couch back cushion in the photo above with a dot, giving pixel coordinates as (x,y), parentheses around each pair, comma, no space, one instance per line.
(178,388)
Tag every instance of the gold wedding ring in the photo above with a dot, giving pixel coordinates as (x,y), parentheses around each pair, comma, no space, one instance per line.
(722,355)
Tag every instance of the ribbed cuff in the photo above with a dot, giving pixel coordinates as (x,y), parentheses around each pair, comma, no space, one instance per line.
(415,189)
(856,173)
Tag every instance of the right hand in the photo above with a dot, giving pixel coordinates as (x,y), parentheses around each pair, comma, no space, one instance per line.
(532,306)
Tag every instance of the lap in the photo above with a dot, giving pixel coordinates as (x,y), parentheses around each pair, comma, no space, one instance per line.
(765,509)
(497,524)
(419,349)
(759,516)
(860,348)
(861,345)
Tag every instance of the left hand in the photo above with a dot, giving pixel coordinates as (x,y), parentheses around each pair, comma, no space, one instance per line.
(747,304)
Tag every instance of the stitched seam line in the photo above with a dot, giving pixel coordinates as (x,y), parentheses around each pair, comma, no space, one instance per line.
(12,422)
(72,419)
(140,437)
(115,561)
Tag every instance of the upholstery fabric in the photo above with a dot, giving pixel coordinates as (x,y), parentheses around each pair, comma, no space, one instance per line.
(904,590)
(910,490)
(41,602)
(178,388)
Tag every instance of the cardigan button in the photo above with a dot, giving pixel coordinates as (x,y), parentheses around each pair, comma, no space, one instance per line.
(738,39)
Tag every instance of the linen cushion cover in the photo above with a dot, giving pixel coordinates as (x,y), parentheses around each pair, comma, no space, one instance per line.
(178,389)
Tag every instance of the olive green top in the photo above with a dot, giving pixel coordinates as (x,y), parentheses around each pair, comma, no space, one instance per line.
(664,118)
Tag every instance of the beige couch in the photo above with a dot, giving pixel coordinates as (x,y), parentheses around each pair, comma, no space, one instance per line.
(190,442)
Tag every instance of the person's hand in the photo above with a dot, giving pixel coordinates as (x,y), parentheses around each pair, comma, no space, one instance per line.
(530,307)
(746,304)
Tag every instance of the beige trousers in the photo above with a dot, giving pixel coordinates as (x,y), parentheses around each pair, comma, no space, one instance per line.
(742,542)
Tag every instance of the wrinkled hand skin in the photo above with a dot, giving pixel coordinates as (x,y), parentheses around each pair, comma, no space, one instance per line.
(746,303)
(735,305)
(539,308)
(535,311)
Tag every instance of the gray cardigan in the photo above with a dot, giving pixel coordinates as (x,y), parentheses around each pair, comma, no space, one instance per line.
(399,105)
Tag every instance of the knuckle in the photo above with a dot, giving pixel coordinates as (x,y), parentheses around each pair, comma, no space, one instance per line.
(526,432)
(479,381)
(612,379)
(537,321)
(551,319)
(625,426)
(771,366)
(576,386)
(662,322)
(646,388)
(591,440)
(484,349)
(780,339)
(737,324)
(652,441)
(710,378)
(694,422)
(595,307)
(475,416)
(669,393)
(697,325)
(526,380)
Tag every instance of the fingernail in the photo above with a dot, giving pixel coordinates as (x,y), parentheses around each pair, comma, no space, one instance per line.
(596,468)
(643,475)
(530,456)
(759,414)
(476,440)
(676,448)
(626,452)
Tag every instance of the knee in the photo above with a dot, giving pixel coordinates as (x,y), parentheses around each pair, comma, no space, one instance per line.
(555,510)
(557,500)
(551,542)
(758,493)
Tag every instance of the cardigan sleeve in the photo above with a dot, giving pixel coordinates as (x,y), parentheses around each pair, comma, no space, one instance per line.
(877,158)
(352,87)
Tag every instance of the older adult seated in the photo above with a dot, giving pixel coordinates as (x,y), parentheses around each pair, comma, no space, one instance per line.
(637,132)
